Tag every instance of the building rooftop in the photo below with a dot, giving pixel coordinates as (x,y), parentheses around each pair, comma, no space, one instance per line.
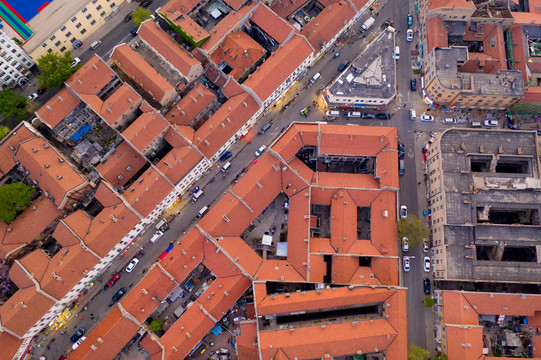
(121,164)
(276,27)
(187,24)
(182,158)
(148,127)
(191,105)
(57,108)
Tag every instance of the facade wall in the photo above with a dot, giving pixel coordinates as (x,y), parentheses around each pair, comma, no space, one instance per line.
(14,62)
(80,26)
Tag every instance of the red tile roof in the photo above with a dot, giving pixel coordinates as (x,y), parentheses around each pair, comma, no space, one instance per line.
(121,165)
(436,33)
(9,145)
(162,43)
(182,5)
(239,51)
(247,340)
(179,162)
(145,130)
(279,66)
(286,8)
(124,101)
(235,4)
(10,344)
(91,77)
(451,4)
(276,27)
(191,105)
(142,73)
(187,24)
(147,191)
(57,108)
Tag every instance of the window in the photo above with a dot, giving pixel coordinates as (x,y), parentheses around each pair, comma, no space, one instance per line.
(88,16)
(73,39)
(83,31)
(112,5)
(57,43)
(98,7)
(63,28)
(62,49)
(83,10)
(102,13)
(44,45)
(74,19)
(52,37)
(68,34)
(94,1)
(92,22)
(78,25)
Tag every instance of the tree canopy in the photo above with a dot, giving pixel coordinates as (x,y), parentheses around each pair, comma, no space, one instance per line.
(417,353)
(412,227)
(139,15)
(156,325)
(55,69)
(4,131)
(13,105)
(14,198)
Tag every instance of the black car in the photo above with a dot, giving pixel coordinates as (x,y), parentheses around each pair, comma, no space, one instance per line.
(134,32)
(413,84)
(145,3)
(343,65)
(226,156)
(128,17)
(118,295)
(367,116)
(426,286)
(383,116)
(77,335)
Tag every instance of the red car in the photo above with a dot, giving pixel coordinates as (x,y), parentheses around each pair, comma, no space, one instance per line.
(113,280)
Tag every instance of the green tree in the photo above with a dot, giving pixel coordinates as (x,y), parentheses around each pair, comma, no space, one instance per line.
(139,15)
(417,353)
(55,69)
(439,357)
(4,131)
(429,302)
(13,105)
(412,227)
(14,198)
(156,325)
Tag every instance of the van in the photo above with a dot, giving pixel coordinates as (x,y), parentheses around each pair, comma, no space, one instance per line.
(413,115)
(333,113)
(162,225)
(449,121)
(156,237)
(202,211)
(475,124)
(354,114)
(315,78)
(226,166)
(96,44)
(401,168)
(264,128)
(197,195)
(397,53)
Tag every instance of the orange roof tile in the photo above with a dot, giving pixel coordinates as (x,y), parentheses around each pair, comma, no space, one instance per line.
(247,259)
(247,340)
(148,127)
(526,18)
(161,42)
(279,66)
(64,236)
(329,22)
(464,343)
(57,108)
(222,294)
(10,344)
(269,22)
(124,101)
(235,4)
(239,51)
(191,105)
(183,5)
(79,222)
(453,4)
(179,162)
(217,262)
(91,77)
(141,72)
(9,145)
(286,8)
(278,270)
(436,33)
(318,268)
(121,165)
(147,191)
(185,256)
(187,24)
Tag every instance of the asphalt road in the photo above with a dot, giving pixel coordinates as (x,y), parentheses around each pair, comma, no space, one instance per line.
(243,157)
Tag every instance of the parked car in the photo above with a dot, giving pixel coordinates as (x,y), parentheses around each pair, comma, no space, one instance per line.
(33,96)
(118,295)
(75,62)
(426,286)
(133,263)
(410,19)
(128,17)
(367,116)
(403,212)
(226,156)
(413,84)
(387,23)
(260,150)
(490,123)
(425,245)
(134,32)
(409,35)
(427,118)
(406,262)
(405,244)
(41,90)
(78,342)
(336,54)
(426,262)
(146,3)
(77,335)
(401,151)
(113,280)
(343,65)
(383,116)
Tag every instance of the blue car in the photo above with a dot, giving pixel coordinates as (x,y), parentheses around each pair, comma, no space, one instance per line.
(410,19)
(343,65)
(226,156)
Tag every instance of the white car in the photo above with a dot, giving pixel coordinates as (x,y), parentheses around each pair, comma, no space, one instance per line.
(33,97)
(409,35)
(406,263)
(490,123)
(78,342)
(425,245)
(426,263)
(403,212)
(75,62)
(133,263)
(260,150)
(405,244)
(427,118)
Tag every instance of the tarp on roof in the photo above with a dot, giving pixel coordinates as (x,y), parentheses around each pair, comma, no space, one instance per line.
(267,240)
(281,248)
(77,136)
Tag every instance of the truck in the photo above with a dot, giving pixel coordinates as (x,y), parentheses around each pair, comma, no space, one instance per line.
(367,24)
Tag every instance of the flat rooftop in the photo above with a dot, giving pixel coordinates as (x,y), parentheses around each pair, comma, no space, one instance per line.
(502,83)
(371,74)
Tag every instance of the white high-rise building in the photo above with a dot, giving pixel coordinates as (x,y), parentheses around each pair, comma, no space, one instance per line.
(14,63)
